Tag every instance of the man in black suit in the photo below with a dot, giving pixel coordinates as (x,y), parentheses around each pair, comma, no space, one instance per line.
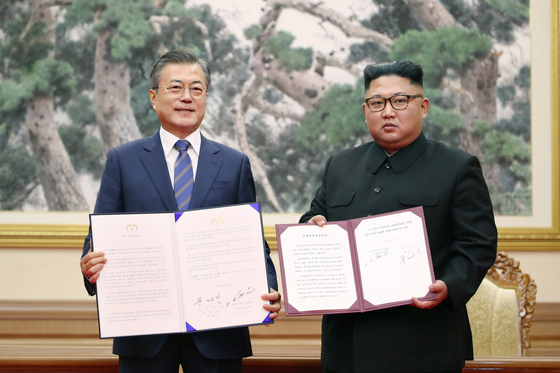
(398,170)
(139,176)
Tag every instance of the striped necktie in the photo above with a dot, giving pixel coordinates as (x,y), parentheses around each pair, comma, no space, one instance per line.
(184,180)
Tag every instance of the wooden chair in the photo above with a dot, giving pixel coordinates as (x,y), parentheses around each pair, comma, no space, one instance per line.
(501,311)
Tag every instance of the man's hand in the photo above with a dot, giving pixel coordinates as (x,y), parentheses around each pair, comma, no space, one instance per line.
(320,220)
(92,264)
(274,306)
(440,288)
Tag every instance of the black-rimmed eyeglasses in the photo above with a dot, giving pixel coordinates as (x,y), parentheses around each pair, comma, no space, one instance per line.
(398,102)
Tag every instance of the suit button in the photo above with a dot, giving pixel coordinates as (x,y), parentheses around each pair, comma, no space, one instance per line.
(377,190)
(387,165)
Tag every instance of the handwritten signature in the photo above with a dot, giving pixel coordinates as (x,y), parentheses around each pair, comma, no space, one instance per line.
(242,293)
(217,298)
(404,258)
(380,254)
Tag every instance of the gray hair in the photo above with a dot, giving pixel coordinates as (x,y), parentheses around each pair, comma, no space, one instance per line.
(184,56)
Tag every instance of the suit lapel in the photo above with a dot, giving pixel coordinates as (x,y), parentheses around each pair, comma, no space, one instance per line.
(154,161)
(209,164)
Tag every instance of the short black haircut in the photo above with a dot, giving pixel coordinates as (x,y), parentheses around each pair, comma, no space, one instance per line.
(404,69)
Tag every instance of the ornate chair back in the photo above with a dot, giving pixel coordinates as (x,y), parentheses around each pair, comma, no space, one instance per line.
(501,311)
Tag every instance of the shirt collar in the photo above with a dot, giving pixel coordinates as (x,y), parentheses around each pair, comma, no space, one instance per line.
(399,160)
(168,140)
(389,155)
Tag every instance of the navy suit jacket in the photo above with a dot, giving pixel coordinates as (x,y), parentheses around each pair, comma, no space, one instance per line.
(136,179)
(448,183)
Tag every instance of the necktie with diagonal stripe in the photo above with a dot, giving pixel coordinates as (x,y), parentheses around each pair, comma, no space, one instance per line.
(184,180)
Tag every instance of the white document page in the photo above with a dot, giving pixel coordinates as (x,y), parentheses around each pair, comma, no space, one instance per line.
(137,289)
(223,269)
(393,256)
(318,267)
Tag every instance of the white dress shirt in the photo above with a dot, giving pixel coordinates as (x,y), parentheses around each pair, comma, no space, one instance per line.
(168,141)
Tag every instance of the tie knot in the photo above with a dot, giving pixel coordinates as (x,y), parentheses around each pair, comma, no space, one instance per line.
(181,145)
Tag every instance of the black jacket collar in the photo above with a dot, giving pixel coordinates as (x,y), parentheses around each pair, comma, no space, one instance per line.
(399,160)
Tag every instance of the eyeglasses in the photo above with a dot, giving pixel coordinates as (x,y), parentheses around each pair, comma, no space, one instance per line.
(177,91)
(398,102)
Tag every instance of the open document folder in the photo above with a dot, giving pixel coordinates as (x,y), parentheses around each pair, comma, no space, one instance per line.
(180,271)
(355,265)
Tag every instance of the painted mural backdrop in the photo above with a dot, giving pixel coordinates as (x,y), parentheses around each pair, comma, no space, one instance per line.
(286,88)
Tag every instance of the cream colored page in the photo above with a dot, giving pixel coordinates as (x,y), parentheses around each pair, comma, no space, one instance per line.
(393,256)
(137,290)
(223,269)
(318,267)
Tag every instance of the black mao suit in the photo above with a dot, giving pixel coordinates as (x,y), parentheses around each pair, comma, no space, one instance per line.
(448,183)
(136,179)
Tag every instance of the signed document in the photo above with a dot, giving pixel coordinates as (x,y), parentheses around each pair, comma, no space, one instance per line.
(355,265)
(180,271)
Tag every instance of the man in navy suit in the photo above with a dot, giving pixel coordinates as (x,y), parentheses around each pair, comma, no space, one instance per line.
(398,170)
(139,176)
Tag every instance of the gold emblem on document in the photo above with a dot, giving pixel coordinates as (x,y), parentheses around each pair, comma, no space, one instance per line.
(131,228)
(217,221)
